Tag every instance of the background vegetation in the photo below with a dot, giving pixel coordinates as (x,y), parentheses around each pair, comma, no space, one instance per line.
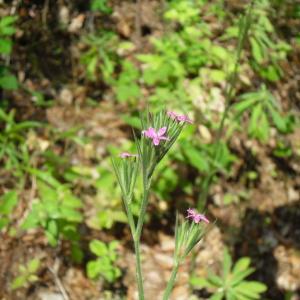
(74,78)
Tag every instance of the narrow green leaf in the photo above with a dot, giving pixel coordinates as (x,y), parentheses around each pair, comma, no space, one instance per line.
(241,265)
(8,201)
(217,296)
(227,263)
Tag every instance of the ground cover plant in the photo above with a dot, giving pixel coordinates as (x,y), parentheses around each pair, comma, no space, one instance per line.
(72,102)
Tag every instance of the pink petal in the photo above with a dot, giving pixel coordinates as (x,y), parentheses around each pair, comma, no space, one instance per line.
(183,118)
(163,138)
(162,131)
(191,212)
(126,154)
(172,114)
(204,219)
(151,132)
(156,141)
(197,218)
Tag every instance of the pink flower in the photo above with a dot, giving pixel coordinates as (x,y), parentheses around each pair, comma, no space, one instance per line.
(126,154)
(179,118)
(173,115)
(183,118)
(197,218)
(156,136)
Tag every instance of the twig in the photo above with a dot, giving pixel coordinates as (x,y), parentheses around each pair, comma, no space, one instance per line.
(58,282)
(44,13)
(138,21)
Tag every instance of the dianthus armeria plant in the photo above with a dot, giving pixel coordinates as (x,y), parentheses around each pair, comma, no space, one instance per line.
(159,133)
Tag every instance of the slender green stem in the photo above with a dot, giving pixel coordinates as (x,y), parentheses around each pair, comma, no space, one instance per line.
(129,216)
(139,276)
(229,93)
(137,237)
(171,282)
(142,215)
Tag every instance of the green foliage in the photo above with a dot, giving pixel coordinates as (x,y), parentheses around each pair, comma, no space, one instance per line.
(183,12)
(14,152)
(187,236)
(181,58)
(125,86)
(283,149)
(263,111)
(100,56)
(107,200)
(101,6)
(56,210)
(232,284)
(166,180)
(27,274)
(202,157)
(39,99)
(7,28)
(267,50)
(102,61)
(7,203)
(104,266)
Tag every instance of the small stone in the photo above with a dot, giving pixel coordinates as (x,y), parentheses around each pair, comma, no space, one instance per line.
(167,243)
(293,195)
(50,296)
(166,261)
(64,15)
(66,97)
(76,23)
(205,133)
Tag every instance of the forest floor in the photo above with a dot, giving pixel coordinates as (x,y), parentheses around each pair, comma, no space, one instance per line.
(265,226)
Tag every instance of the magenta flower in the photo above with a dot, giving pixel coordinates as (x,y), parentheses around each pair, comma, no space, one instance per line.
(156,136)
(183,118)
(173,115)
(179,118)
(197,218)
(126,154)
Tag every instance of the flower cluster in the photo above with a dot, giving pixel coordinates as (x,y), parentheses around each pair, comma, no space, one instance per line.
(160,131)
(179,118)
(196,217)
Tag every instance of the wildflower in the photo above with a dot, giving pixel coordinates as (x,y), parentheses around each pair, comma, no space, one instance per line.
(156,136)
(183,118)
(126,154)
(197,218)
(179,118)
(173,115)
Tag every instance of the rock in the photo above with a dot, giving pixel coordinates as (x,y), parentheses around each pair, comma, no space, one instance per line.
(293,195)
(205,133)
(50,296)
(64,15)
(288,273)
(76,23)
(66,97)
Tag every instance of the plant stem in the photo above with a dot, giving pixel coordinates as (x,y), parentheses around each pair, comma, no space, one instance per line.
(139,276)
(142,215)
(229,93)
(137,240)
(171,282)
